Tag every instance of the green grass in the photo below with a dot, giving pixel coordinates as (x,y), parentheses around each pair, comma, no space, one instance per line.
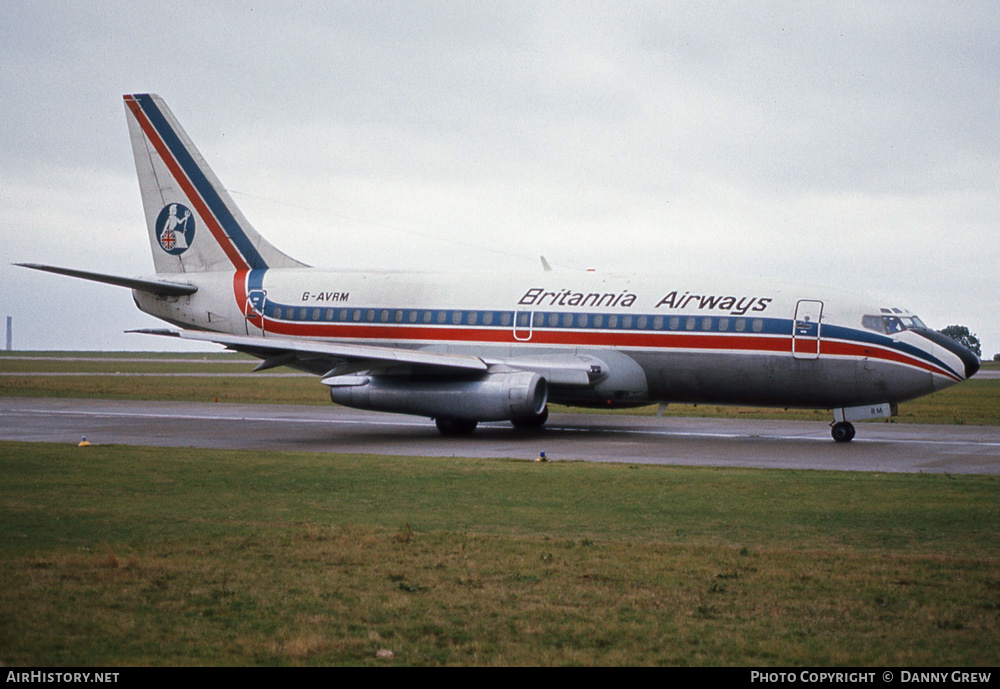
(76,354)
(152,556)
(974,402)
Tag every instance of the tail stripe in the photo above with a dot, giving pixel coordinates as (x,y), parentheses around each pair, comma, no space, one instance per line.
(188,174)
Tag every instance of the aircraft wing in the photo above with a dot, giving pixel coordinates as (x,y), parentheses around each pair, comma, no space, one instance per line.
(332,359)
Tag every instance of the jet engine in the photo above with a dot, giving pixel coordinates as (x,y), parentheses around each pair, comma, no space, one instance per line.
(494,397)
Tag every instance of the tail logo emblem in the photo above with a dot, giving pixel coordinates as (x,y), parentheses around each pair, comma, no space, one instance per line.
(175,228)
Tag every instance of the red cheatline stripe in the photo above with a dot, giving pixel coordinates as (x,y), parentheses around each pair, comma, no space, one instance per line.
(240,292)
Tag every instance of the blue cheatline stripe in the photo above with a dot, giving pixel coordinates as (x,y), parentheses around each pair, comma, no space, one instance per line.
(255,280)
(208,193)
(543,320)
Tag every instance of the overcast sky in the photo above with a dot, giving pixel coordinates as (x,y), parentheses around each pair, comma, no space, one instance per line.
(848,144)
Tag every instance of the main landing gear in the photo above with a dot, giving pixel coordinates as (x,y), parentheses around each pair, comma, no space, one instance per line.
(843,431)
(456,427)
(449,426)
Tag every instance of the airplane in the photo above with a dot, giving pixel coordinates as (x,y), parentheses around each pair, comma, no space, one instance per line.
(464,348)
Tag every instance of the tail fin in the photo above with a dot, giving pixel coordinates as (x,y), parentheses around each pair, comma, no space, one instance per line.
(193,223)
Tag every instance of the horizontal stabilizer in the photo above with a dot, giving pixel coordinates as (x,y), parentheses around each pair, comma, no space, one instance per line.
(160,288)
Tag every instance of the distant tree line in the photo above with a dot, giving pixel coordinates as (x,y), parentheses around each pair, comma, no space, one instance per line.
(961,334)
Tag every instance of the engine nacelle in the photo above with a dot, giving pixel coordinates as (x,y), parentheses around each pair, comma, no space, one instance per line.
(494,397)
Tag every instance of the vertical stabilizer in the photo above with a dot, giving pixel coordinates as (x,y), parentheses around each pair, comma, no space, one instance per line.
(193,223)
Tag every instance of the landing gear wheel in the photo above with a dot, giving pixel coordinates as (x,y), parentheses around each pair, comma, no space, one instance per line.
(530,422)
(843,432)
(447,426)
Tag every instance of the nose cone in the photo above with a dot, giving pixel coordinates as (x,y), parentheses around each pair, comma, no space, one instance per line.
(971,363)
(969,359)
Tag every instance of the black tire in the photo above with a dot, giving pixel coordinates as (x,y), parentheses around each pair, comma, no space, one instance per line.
(843,432)
(532,422)
(453,427)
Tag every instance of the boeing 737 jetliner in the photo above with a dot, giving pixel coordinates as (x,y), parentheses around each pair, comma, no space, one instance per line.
(471,347)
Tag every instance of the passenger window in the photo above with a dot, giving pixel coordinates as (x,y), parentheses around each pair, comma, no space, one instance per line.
(473,318)
(612,321)
(741,324)
(658,323)
(706,323)
(627,322)
(567,320)
(581,320)
(758,325)
(675,322)
(643,320)
(690,323)
(505,318)
(723,324)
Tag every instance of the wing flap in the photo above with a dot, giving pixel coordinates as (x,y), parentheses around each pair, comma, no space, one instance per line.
(561,369)
(329,356)
(341,359)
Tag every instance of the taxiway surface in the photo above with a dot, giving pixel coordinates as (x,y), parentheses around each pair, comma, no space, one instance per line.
(587,437)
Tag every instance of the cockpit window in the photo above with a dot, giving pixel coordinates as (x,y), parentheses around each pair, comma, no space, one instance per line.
(891,324)
(873,323)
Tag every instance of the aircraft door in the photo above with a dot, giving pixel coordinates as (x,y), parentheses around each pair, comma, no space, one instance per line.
(254,312)
(806,329)
(522,325)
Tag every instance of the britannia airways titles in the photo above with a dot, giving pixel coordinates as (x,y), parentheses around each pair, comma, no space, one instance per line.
(734,305)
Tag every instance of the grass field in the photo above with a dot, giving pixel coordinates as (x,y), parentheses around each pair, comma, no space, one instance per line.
(975,402)
(114,556)
(143,556)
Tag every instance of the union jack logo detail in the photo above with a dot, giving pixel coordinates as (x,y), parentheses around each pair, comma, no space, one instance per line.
(175,228)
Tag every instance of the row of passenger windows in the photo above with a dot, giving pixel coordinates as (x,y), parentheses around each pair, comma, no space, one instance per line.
(505,318)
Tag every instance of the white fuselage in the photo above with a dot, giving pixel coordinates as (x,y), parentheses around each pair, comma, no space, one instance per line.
(669,339)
